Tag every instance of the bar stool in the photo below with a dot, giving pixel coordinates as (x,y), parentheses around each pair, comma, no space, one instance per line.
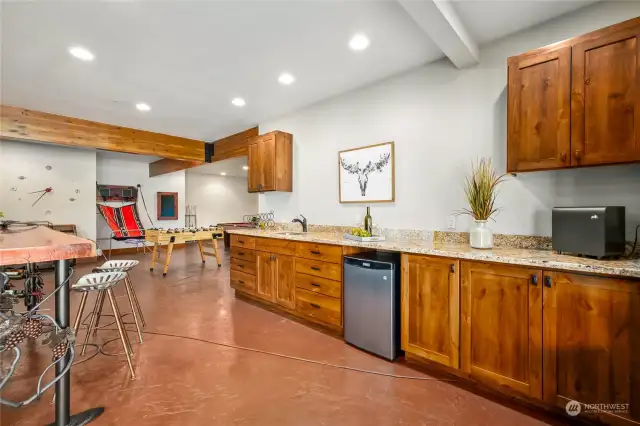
(103,283)
(136,310)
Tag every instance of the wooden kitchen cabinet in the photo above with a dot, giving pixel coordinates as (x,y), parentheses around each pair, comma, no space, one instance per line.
(592,345)
(271,163)
(539,106)
(576,103)
(275,278)
(501,330)
(605,102)
(431,308)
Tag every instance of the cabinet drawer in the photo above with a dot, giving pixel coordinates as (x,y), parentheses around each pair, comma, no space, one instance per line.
(241,265)
(243,241)
(242,253)
(243,282)
(319,307)
(274,245)
(319,285)
(332,271)
(323,252)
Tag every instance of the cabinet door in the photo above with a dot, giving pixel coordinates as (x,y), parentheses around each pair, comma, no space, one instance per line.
(267,148)
(538,111)
(285,289)
(502,325)
(265,275)
(592,342)
(605,110)
(431,308)
(254,167)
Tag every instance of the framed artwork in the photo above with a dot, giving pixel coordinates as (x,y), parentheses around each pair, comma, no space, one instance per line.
(167,205)
(367,174)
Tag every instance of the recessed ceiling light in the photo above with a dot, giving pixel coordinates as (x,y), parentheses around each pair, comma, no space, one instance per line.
(359,42)
(286,79)
(239,102)
(245,167)
(81,53)
(143,107)
(223,173)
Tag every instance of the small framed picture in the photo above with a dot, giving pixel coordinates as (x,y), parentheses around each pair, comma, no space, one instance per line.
(367,174)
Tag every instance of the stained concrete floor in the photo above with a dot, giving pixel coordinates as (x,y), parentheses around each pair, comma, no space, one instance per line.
(189,381)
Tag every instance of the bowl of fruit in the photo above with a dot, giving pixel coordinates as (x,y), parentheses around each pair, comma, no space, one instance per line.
(360,234)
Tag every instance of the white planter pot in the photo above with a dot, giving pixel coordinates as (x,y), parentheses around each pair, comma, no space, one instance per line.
(480,235)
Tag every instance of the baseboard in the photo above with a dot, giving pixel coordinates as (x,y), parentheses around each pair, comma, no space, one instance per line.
(137,249)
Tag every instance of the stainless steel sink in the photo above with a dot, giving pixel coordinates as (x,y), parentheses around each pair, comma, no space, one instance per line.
(290,233)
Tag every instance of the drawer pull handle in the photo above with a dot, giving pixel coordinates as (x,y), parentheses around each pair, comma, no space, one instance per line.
(315,285)
(241,266)
(241,241)
(240,253)
(241,282)
(315,268)
(315,252)
(315,305)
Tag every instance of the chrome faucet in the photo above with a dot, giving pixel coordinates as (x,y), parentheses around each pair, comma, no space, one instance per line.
(302,222)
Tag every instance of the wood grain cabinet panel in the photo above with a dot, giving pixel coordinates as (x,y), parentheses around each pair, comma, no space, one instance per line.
(592,344)
(320,308)
(431,308)
(327,270)
(243,282)
(275,245)
(323,252)
(502,325)
(242,241)
(265,276)
(271,163)
(538,108)
(241,265)
(285,287)
(605,100)
(242,253)
(319,285)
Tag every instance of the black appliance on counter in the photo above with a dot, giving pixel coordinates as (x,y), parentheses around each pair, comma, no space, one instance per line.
(589,231)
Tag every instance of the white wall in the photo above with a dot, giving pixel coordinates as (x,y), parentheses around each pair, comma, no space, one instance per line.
(114,171)
(71,169)
(441,120)
(219,198)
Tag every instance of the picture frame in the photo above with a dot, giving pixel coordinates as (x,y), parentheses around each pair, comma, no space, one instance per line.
(367,174)
(167,205)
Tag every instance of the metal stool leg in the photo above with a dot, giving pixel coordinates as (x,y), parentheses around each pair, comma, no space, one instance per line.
(76,323)
(123,337)
(98,313)
(133,308)
(92,323)
(135,300)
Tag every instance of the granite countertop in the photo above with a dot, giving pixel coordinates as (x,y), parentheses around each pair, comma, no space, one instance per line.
(523,257)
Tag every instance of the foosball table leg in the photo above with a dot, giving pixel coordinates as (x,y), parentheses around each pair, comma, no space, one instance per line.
(154,255)
(214,241)
(201,250)
(168,257)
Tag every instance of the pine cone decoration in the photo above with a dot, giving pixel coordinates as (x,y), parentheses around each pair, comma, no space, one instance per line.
(32,328)
(14,339)
(59,350)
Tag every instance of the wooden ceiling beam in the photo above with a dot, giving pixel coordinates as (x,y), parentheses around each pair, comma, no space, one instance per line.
(229,147)
(35,126)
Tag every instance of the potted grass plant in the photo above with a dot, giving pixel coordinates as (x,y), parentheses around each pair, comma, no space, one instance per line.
(481,189)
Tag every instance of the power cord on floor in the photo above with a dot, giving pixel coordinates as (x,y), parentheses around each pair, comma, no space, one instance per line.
(343,367)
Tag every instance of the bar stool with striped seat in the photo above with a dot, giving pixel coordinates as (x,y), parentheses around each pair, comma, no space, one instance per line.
(136,310)
(103,283)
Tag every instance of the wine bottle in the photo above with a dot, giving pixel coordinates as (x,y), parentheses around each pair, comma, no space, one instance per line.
(368,222)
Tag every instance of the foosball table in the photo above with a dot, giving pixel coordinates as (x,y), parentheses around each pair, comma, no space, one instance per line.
(166,238)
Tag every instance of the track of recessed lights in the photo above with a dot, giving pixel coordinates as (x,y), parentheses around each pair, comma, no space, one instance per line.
(358,42)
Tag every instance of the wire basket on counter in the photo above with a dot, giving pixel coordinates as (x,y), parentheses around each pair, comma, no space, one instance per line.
(261,220)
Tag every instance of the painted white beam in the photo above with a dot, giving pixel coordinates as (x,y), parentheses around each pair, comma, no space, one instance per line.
(442,24)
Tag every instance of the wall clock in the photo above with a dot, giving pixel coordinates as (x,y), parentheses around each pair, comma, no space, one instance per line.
(43,192)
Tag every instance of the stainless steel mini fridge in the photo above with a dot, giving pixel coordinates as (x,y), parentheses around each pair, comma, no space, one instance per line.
(372,302)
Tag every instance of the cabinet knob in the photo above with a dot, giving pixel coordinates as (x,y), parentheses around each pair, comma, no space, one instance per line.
(534,279)
(577,154)
(547,281)
(563,157)
(452,268)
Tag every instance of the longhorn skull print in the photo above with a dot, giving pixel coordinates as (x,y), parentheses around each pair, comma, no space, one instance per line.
(363,173)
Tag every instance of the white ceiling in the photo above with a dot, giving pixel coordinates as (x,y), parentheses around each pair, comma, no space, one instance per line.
(232,167)
(189,58)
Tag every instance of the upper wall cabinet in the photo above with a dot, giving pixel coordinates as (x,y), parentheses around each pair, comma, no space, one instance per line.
(271,163)
(577,102)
